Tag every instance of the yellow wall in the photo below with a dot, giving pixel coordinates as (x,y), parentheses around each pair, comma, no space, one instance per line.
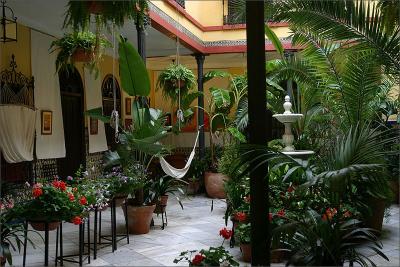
(208,13)
(21,50)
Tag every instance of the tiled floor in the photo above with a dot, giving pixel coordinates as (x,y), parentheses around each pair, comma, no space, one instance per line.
(195,227)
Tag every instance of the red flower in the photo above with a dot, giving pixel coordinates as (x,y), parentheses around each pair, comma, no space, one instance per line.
(324,218)
(240,216)
(83,200)
(77,220)
(270,216)
(37,192)
(281,213)
(197,259)
(290,189)
(71,197)
(225,233)
(347,214)
(330,213)
(60,185)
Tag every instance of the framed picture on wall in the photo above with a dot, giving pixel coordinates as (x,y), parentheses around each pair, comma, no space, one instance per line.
(94,126)
(47,122)
(128,106)
(128,123)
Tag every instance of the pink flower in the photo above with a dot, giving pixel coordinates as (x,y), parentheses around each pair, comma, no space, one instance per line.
(281,213)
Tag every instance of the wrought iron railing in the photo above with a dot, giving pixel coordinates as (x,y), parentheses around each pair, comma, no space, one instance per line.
(181,3)
(235,12)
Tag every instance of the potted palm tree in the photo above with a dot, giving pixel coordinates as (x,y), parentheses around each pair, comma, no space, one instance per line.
(76,47)
(161,188)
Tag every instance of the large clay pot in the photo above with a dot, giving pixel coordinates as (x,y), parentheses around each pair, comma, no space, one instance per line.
(139,218)
(81,55)
(394,185)
(161,204)
(193,187)
(214,183)
(95,7)
(377,207)
(40,226)
(246,252)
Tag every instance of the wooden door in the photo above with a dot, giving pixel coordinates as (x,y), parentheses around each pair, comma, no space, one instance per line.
(73,119)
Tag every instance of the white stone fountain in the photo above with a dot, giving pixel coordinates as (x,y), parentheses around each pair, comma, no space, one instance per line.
(288,118)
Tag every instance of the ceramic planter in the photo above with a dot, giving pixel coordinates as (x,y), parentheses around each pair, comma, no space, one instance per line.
(214,183)
(82,55)
(40,226)
(161,205)
(139,218)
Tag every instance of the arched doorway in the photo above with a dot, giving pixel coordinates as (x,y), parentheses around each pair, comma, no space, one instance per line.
(72,94)
(108,105)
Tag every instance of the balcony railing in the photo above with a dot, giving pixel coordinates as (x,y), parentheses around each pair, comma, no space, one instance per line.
(236,13)
(181,3)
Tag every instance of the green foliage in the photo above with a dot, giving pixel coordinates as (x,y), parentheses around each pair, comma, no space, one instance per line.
(171,78)
(78,14)
(243,233)
(167,185)
(87,41)
(214,256)
(343,21)
(315,241)
(135,80)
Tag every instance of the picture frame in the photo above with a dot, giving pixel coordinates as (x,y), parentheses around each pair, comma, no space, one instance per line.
(128,106)
(46,122)
(93,126)
(128,123)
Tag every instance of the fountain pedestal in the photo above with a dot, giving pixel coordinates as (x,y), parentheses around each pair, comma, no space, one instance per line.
(287,118)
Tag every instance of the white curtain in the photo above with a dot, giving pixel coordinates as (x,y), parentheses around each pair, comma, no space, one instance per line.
(47,97)
(17,133)
(97,142)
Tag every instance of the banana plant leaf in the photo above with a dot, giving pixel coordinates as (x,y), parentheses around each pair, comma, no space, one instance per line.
(221,97)
(97,113)
(213,74)
(134,77)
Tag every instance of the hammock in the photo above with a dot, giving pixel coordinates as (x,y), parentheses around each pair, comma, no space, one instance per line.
(175,172)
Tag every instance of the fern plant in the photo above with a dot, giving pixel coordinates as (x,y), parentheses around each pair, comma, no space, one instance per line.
(79,13)
(87,41)
(175,81)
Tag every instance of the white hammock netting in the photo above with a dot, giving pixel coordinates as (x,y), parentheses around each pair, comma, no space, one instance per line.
(175,172)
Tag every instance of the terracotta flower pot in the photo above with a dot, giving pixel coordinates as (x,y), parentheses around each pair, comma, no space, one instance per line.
(193,187)
(377,207)
(394,185)
(139,218)
(214,183)
(40,226)
(161,205)
(278,256)
(82,55)
(95,7)
(246,252)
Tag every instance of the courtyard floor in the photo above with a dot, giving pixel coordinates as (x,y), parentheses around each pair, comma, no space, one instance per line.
(193,228)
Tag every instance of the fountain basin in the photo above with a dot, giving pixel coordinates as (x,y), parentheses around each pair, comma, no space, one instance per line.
(287,118)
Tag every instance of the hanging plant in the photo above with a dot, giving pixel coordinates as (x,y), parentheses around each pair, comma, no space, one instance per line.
(85,47)
(175,80)
(106,12)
